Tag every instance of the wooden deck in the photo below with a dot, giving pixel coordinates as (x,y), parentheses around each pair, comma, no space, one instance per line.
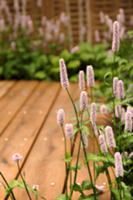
(28,126)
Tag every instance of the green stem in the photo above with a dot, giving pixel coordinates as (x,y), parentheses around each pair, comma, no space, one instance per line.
(25,185)
(8,186)
(110,183)
(65,152)
(76,169)
(36,196)
(88,168)
(119,188)
(78,155)
(113,67)
(84,150)
(70,165)
(74,140)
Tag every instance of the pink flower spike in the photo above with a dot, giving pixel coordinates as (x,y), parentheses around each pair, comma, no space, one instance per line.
(81,80)
(95,129)
(104,109)
(102,143)
(115,81)
(130,109)
(120,90)
(69,130)
(60,117)
(118,111)
(110,137)
(122,115)
(93,113)
(63,74)
(17,157)
(83,101)
(90,76)
(100,188)
(118,165)
(128,121)
(116,37)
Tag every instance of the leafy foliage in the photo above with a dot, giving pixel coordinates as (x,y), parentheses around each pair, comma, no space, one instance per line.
(26,61)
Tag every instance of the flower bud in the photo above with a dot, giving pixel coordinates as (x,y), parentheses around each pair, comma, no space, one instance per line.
(128,121)
(63,74)
(35,187)
(130,109)
(115,81)
(97,36)
(118,165)
(110,137)
(104,109)
(102,143)
(81,81)
(102,18)
(90,76)
(95,129)
(83,100)
(116,37)
(118,111)
(17,157)
(60,117)
(69,130)
(93,113)
(120,90)
(122,115)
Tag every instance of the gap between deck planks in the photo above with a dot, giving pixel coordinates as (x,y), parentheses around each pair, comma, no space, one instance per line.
(20,134)
(46,157)
(5,86)
(13,101)
(34,133)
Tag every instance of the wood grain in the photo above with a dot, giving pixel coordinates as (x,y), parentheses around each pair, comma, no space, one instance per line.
(22,132)
(13,101)
(48,161)
(34,133)
(46,157)
(5,86)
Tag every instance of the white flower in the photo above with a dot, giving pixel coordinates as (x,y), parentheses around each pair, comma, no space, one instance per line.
(35,187)
(17,157)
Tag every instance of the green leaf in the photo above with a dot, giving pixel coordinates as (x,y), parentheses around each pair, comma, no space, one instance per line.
(116,193)
(62,197)
(66,55)
(85,129)
(13,184)
(73,64)
(74,168)
(86,185)
(40,75)
(82,197)
(77,187)
(68,158)
(108,78)
(99,158)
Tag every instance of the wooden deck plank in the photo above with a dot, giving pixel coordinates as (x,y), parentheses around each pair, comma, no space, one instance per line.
(33,132)
(13,101)
(5,86)
(23,131)
(46,157)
